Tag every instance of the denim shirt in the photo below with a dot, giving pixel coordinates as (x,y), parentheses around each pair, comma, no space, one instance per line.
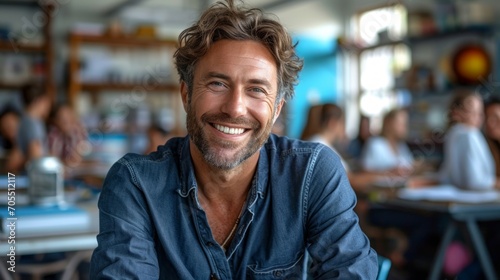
(152,225)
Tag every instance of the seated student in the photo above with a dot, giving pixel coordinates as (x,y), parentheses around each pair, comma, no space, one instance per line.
(468,162)
(65,135)
(13,160)
(388,152)
(357,145)
(489,229)
(492,130)
(330,127)
(32,134)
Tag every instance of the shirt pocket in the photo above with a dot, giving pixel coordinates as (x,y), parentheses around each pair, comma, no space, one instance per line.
(292,270)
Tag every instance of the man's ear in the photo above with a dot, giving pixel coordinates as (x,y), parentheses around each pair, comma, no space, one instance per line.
(184,95)
(278,110)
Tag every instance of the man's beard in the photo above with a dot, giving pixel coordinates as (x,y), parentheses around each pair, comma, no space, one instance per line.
(209,148)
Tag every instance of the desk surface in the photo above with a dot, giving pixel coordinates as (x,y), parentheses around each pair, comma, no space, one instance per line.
(78,241)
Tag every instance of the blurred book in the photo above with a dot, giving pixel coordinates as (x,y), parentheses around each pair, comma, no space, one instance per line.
(44,221)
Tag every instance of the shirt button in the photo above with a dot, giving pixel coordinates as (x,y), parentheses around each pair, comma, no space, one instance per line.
(277,273)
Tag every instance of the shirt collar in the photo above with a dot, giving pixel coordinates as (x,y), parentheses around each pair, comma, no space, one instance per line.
(188,179)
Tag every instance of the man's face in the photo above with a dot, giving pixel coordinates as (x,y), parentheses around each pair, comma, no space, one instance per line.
(231,109)
(492,127)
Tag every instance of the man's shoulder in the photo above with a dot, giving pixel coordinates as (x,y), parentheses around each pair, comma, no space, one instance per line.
(283,143)
(284,146)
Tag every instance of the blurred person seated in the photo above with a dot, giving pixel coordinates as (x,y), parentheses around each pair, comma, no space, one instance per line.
(312,125)
(468,162)
(388,153)
(492,130)
(329,125)
(12,157)
(66,135)
(279,126)
(157,136)
(32,134)
(478,169)
(357,144)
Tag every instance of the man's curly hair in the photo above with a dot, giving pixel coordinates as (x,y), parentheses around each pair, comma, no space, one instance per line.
(227,21)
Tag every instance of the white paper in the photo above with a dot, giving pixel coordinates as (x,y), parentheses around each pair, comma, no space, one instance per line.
(449,193)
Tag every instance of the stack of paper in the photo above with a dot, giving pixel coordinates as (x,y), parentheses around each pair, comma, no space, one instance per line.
(449,193)
(28,221)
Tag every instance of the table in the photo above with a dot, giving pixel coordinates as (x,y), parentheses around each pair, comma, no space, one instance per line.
(78,245)
(469,214)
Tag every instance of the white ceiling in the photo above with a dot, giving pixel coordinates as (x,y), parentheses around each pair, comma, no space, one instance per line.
(297,15)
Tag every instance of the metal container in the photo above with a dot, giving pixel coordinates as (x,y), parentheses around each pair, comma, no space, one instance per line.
(46,182)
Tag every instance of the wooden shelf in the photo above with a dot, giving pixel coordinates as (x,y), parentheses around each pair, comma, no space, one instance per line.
(13,47)
(96,87)
(121,41)
(7,86)
(483,31)
(383,44)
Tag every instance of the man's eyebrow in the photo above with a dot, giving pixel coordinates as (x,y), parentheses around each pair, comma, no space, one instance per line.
(217,75)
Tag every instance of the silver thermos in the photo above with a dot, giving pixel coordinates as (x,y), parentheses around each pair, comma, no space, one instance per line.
(46,182)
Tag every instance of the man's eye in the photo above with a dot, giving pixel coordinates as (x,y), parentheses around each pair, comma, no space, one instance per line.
(217,84)
(257,90)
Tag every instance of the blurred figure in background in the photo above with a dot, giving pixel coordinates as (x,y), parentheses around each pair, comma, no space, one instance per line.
(312,124)
(66,135)
(468,162)
(357,144)
(489,229)
(32,134)
(329,124)
(157,136)
(279,126)
(389,152)
(492,130)
(12,157)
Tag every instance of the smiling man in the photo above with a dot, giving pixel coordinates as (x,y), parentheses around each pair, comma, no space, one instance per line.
(230,200)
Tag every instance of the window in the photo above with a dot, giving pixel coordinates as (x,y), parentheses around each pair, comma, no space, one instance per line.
(384,57)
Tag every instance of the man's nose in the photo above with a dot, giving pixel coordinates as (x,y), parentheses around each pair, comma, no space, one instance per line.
(235,103)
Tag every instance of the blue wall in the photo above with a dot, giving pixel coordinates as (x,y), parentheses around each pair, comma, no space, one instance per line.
(317,80)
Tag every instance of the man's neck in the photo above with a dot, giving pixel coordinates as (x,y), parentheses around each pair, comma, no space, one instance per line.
(224,186)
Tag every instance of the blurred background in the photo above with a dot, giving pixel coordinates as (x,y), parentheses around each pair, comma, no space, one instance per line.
(110,63)
(112,60)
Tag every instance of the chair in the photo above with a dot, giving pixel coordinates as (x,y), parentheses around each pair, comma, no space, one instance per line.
(384,265)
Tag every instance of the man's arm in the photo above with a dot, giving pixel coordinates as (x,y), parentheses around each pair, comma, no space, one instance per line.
(338,247)
(126,248)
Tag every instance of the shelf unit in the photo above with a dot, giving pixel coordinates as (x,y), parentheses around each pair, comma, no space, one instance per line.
(76,85)
(45,48)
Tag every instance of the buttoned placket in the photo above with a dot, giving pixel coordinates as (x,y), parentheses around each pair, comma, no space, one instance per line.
(213,251)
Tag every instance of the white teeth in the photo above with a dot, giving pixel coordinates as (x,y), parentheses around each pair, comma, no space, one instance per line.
(227,130)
